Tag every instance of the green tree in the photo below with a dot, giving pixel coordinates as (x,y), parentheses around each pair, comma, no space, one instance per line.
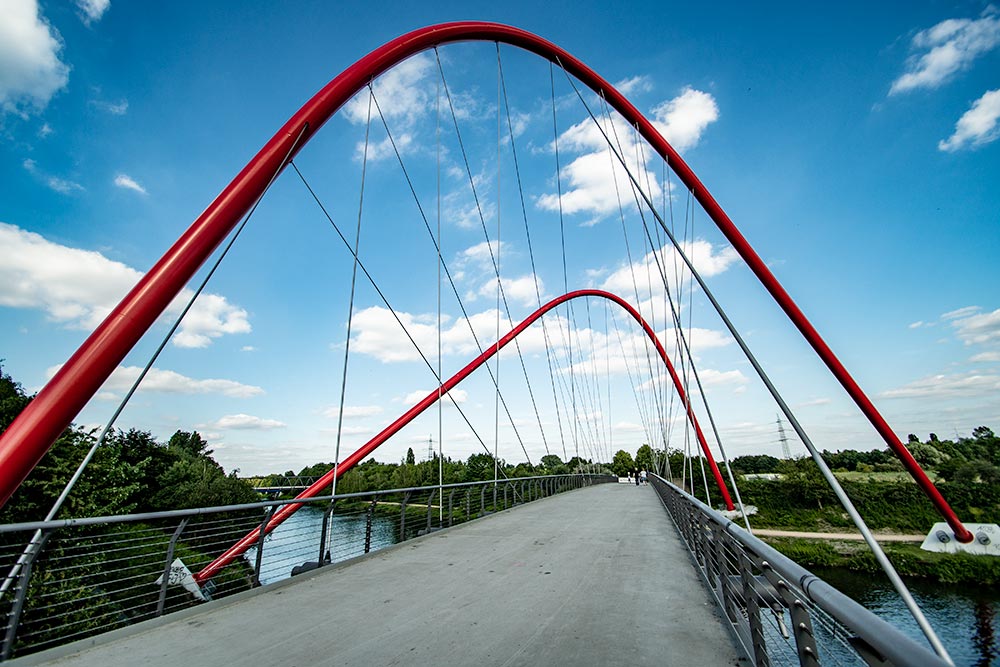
(622,463)
(551,461)
(644,458)
(410,458)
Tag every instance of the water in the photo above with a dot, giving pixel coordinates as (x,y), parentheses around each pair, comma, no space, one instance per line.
(296,541)
(966,618)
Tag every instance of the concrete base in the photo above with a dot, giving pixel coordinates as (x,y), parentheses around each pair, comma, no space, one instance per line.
(590,577)
(942,539)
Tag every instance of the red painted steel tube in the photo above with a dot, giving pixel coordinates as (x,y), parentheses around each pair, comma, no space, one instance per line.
(33,432)
(251,538)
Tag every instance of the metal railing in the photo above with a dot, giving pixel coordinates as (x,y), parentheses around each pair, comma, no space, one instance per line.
(82,577)
(779,612)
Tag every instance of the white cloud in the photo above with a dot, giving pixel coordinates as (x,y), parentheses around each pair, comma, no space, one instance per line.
(353,411)
(962,385)
(977,126)
(985,356)
(127,182)
(960,312)
(645,275)
(946,49)
(30,69)
(414,397)
(246,423)
(170,382)
(93,10)
(596,183)
(60,185)
(78,288)
(248,348)
(113,108)
(521,290)
(378,335)
(634,84)
(978,328)
(683,119)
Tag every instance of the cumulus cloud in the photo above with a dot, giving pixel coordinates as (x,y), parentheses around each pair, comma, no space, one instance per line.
(683,119)
(596,183)
(977,126)
(946,49)
(377,334)
(520,290)
(31,71)
(78,288)
(244,422)
(127,182)
(92,10)
(644,274)
(171,382)
(113,108)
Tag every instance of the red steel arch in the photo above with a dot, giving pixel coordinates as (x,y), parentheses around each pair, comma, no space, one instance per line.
(30,436)
(251,538)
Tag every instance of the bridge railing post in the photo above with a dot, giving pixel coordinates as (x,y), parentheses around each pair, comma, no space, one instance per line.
(167,563)
(369,513)
(402,517)
(260,544)
(805,641)
(14,618)
(757,640)
(451,498)
(430,499)
(325,530)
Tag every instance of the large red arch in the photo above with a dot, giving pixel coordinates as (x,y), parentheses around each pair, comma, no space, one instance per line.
(33,432)
(286,511)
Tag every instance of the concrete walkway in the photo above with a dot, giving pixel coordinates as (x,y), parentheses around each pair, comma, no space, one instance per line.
(590,577)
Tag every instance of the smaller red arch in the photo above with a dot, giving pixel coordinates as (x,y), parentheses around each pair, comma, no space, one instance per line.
(286,511)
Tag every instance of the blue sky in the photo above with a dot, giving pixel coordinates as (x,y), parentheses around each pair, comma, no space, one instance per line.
(855,147)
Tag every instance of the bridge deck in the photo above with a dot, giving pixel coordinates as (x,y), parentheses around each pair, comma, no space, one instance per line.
(596,576)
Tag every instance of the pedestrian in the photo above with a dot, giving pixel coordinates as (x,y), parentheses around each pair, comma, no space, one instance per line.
(636,473)
(642,475)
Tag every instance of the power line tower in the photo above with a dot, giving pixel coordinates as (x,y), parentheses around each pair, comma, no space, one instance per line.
(783,439)
(430,448)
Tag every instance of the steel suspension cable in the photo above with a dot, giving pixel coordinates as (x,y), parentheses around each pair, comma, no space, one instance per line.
(350,306)
(444,265)
(524,215)
(385,300)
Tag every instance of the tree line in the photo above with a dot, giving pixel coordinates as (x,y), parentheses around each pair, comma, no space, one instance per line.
(131,471)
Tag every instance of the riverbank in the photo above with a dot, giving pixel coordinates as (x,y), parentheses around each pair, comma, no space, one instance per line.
(908,559)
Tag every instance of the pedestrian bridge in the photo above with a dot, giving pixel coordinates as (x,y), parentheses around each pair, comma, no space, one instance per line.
(594,576)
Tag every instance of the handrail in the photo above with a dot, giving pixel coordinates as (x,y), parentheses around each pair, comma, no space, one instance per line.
(886,639)
(55,524)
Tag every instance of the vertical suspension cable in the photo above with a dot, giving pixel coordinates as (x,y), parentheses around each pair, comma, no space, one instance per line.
(496,400)
(440,240)
(571,321)
(350,307)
